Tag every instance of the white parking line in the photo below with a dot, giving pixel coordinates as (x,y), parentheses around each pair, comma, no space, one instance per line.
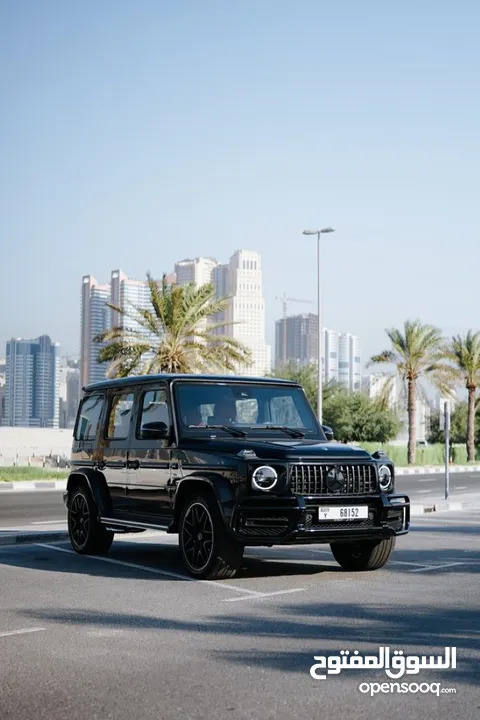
(154,571)
(264,595)
(428,480)
(426,568)
(49,522)
(21,632)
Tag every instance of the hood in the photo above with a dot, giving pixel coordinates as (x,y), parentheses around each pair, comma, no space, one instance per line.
(291,449)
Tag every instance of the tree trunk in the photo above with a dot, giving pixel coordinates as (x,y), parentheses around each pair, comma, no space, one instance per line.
(412,426)
(471,425)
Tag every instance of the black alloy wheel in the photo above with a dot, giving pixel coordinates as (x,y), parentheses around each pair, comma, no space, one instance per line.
(87,534)
(208,551)
(197,536)
(79,520)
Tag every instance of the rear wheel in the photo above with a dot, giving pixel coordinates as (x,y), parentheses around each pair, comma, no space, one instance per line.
(87,535)
(207,550)
(364,554)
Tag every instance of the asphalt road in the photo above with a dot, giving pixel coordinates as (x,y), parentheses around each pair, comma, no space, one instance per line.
(129,636)
(23,508)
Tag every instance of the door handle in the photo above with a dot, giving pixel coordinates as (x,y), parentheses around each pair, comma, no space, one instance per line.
(134,464)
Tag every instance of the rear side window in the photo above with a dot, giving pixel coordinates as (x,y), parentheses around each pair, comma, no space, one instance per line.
(120,415)
(154,409)
(89,417)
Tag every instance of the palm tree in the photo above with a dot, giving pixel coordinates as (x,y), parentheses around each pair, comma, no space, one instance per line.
(416,352)
(178,335)
(464,355)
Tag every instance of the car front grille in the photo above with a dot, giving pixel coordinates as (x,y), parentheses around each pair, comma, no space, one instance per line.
(314,479)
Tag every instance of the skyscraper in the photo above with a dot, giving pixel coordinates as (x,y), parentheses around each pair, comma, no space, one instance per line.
(241,279)
(129,294)
(246,310)
(32,379)
(298,335)
(330,354)
(341,360)
(200,271)
(95,319)
(349,361)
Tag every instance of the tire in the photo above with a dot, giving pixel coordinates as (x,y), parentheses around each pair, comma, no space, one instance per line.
(207,551)
(364,554)
(87,535)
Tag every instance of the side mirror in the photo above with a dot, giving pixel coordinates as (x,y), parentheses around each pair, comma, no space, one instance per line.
(328,432)
(154,431)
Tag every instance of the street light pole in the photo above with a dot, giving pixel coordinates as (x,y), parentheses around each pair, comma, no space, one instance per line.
(320,325)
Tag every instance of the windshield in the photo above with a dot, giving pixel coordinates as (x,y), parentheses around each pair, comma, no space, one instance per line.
(250,407)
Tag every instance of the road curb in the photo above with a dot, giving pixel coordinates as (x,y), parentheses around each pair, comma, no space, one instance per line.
(29,538)
(417,509)
(31,485)
(435,469)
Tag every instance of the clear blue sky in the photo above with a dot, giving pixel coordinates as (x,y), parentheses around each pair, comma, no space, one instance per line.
(139,132)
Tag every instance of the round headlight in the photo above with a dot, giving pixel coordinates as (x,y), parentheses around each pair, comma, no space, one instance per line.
(384,477)
(264,478)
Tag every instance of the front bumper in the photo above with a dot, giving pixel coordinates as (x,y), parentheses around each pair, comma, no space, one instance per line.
(295,520)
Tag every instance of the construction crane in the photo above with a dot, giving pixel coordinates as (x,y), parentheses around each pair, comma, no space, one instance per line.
(286,300)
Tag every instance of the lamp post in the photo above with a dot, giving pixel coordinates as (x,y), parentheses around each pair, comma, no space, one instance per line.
(320,329)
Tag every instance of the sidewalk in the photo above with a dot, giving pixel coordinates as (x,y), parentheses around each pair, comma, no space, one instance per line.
(436,469)
(438,504)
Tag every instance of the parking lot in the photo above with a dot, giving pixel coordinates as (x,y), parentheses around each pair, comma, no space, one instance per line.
(130,636)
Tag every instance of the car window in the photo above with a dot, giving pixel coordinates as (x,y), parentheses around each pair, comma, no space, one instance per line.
(251,405)
(154,409)
(120,415)
(89,417)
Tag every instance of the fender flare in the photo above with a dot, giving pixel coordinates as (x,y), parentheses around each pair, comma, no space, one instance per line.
(97,484)
(217,484)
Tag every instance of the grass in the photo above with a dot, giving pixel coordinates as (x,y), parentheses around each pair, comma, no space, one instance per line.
(19,473)
(429,455)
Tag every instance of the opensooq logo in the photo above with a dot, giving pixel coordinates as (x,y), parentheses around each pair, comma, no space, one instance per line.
(395,664)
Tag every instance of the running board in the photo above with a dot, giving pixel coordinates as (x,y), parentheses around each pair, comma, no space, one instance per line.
(129,526)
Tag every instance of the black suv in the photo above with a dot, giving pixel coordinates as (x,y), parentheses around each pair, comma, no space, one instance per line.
(225,462)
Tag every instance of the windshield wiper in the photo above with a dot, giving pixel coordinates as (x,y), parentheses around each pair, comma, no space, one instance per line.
(229,429)
(293,432)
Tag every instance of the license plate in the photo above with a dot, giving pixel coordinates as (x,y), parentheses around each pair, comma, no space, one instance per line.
(335,512)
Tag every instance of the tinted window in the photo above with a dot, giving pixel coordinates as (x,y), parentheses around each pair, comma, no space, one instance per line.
(89,417)
(154,409)
(120,414)
(249,404)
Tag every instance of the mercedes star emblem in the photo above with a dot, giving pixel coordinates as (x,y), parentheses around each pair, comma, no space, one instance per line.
(335,480)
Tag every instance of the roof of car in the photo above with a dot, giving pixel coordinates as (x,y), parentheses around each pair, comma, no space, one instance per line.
(166,377)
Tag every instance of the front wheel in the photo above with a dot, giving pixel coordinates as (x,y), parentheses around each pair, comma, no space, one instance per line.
(207,550)
(364,554)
